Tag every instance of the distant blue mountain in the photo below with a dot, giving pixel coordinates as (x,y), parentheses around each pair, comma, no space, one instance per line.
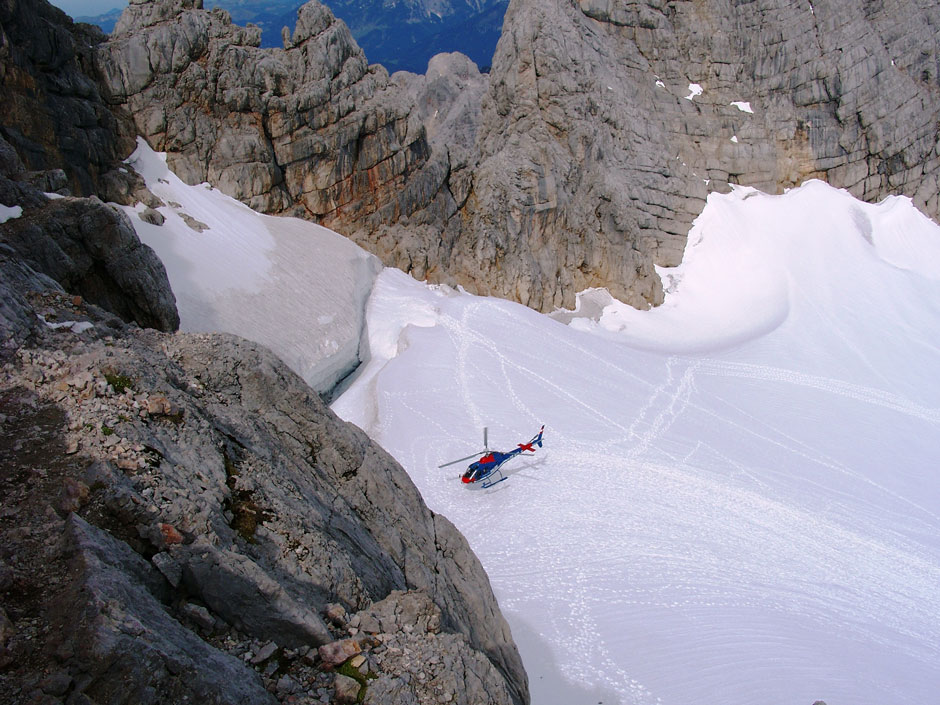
(105,21)
(399,34)
(405,34)
(270,15)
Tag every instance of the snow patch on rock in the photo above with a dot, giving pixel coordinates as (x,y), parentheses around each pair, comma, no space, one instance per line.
(291,285)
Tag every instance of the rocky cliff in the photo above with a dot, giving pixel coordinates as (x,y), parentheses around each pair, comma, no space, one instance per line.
(182,518)
(580,161)
(311,129)
(82,244)
(606,122)
(51,109)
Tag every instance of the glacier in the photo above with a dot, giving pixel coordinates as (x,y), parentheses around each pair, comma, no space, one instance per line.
(738,500)
(294,286)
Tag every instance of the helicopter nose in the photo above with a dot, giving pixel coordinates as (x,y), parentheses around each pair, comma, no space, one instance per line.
(466,480)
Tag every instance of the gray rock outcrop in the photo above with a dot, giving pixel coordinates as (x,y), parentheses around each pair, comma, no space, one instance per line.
(449,672)
(56,136)
(124,637)
(259,511)
(596,154)
(92,250)
(18,321)
(310,129)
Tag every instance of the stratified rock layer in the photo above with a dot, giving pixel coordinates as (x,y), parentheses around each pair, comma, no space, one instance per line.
(602,127)
(596,153)
(310,129)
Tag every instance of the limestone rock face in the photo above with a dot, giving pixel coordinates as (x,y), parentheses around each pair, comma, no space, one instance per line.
(51,109)
(607,121)
(124,636)
(446,103)
(18,322)
(583,157)
(92,250)
(257,508)
(310,129)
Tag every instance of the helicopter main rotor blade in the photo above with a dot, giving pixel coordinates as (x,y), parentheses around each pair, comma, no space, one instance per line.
(460,460)
(486,444)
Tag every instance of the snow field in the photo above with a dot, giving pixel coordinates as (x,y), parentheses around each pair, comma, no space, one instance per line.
(738,499)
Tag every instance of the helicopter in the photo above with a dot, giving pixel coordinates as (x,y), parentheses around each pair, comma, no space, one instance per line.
(490,462)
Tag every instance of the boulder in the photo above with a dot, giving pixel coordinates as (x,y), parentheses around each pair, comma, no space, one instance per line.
(338,652)
(246,596)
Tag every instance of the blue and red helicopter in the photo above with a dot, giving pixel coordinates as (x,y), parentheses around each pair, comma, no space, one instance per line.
(490,462)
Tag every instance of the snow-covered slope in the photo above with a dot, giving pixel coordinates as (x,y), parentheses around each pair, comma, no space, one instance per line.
(739,497)
(294,286)
(738,501)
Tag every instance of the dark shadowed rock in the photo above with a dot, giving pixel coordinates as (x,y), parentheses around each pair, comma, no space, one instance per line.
(51,109)
(129,648)
(91,249)
(239,591)
(18,320)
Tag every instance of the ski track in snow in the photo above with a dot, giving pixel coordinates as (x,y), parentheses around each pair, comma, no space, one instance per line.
(869,395)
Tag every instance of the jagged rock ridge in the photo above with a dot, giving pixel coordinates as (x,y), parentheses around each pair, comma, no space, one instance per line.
(310,129)
(589,156)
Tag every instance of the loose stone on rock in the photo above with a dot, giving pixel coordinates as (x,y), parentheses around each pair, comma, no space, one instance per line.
(266,652)
(345,690)
(337,652)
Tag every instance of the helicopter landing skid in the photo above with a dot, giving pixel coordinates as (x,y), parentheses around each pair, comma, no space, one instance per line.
(487,484)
